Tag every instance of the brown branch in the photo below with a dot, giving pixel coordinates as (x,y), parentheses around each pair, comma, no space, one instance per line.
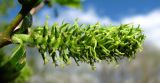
(23,12)
(36,9)
(32,12)
(4,40)
(5,37)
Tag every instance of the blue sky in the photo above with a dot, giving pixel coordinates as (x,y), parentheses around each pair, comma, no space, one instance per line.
(114,9)
(117,9)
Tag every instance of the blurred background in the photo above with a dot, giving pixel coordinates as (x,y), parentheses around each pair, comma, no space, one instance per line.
(145,68)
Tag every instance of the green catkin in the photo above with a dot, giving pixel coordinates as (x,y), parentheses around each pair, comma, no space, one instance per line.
(87,44)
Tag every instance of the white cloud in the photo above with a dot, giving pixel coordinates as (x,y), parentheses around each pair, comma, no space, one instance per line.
(88,17)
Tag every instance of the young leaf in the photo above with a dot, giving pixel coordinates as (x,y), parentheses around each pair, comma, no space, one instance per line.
(13,66)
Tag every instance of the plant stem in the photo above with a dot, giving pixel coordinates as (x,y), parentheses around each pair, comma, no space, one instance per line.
(24,11)
(4,40)
(5,37)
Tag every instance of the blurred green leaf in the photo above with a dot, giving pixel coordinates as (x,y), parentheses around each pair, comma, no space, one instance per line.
(5,5)
(11,67)
(26,72)
(71,3)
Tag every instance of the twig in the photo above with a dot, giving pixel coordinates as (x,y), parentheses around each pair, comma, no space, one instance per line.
(24,11)
(5,37)
(35,9)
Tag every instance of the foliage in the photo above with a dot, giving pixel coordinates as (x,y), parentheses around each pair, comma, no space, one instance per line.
(13,64)
(72,3)
(5,5)
(23,77)
(84,43)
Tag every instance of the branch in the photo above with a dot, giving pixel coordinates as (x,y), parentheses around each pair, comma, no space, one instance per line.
(36,9)
(4,40)
(5,37)
(23,12)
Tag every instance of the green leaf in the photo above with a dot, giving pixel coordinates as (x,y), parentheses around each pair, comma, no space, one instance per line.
(70,3)
(27,22)
(13,66)
(15,63)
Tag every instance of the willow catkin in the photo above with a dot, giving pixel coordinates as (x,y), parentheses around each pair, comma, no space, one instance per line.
(88,44)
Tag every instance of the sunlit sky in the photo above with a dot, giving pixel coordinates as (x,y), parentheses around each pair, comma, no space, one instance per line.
(143,12)
(117,9)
